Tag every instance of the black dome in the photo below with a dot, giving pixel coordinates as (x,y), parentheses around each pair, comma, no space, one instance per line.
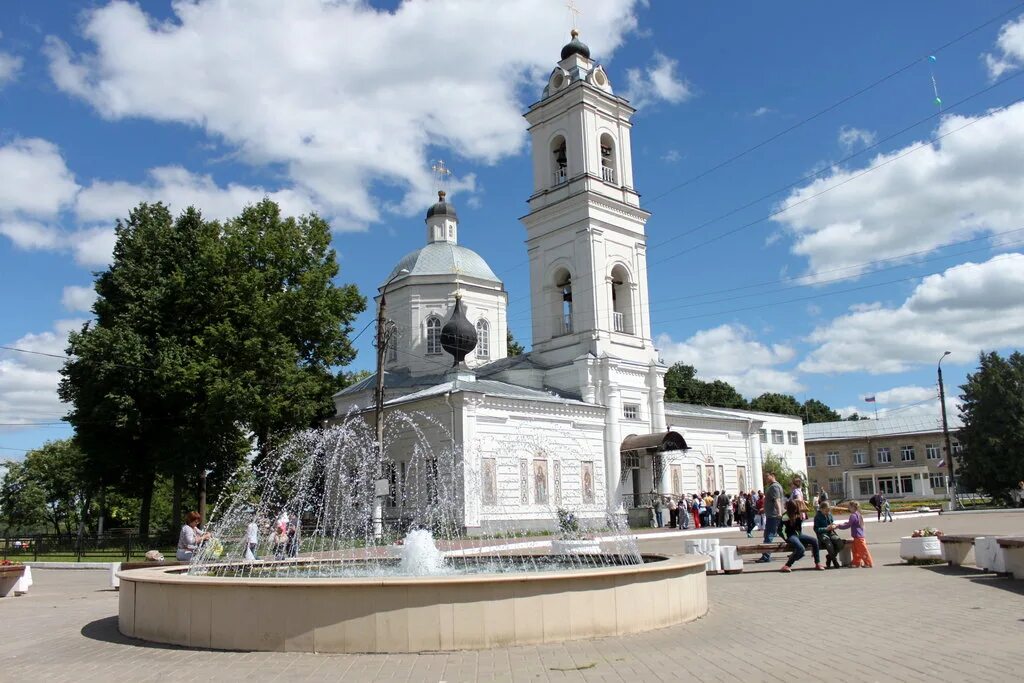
(442,208)
(458,336)
(575,47)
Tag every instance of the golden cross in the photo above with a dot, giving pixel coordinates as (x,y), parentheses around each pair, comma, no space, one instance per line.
(574,12)
(441,173)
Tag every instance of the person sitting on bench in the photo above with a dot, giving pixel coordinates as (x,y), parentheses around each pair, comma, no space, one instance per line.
(825,530)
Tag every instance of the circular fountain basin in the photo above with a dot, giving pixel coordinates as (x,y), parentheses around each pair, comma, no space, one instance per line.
(410,613)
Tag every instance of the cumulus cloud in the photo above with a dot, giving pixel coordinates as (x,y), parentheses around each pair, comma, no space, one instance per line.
(967,308)
(273,81)
(672,156)
(761,111)
(1009,49)
(730,353)
(78,299)
(657,82)
(28,383)
(967,184)
(42,206)
(10,65)
(850,138)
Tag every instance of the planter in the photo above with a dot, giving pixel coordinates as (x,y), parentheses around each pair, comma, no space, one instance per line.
(923,548)
(580,546)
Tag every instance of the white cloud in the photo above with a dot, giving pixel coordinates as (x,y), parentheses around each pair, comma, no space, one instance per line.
(967,184)
(761,111)
(1010,46)
(672,156)
(10,65)
(78,299)
(28,383)
(905,395)
(275,82)
(657,82)
(968,308)
(730,353)
(36,181)
(850,137)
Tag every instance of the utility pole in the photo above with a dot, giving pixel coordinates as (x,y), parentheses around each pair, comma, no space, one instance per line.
(384,333)
(950,463)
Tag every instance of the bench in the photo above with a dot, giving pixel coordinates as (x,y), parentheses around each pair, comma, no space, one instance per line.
(1013,554)
(956,548)
(845,555)
(115,582)
(10,576)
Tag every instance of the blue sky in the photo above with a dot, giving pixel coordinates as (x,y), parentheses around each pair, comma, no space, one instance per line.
(904,251)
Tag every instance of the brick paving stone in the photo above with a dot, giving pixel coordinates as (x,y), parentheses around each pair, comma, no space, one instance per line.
(893,622)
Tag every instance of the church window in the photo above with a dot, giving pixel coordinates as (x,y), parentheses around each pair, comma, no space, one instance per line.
(563,303)
(607,158)
(631,411)
(622,301)
(483,339)
(560,162)
(433,335)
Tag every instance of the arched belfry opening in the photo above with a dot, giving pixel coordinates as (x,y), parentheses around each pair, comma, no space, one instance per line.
(608,159)
(623,317)
(563,303)
(559,161)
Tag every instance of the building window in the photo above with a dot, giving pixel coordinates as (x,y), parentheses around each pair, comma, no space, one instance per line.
(563,303)
(794,439)
(958,448)
(483,339)
(931,451)
(812,460)
(860,456)
(763,433)
(833,458)
(607,158)
(433,335)
(631,411)
(622,301)
(906,484)
(937,481)
(884,455)
(777,436)
(835,486)
(907,453)
(866,487)
(559,171)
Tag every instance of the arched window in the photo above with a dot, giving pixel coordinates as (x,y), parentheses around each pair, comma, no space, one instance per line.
(608,158)
(622,300)
(563,303)
(559,161)
(483,339)
(391,330)
(433,335)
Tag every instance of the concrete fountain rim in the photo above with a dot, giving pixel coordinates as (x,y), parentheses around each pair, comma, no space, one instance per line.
(654,564)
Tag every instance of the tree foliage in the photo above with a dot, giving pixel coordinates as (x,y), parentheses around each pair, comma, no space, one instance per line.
(206,334)
(50,489)
(681,384)
(781,404)
(514,347)
(776,465)
(992,410)
(816,411)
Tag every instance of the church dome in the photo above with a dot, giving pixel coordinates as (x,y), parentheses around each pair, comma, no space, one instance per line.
(575,46)
(442,208)
(445,258)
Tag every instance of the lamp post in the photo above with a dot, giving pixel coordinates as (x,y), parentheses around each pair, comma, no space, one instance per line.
(945,433)
(383,337)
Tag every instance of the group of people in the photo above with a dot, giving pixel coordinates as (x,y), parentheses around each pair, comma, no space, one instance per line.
(711,509)
(283,542)
(882,506)
(785,515)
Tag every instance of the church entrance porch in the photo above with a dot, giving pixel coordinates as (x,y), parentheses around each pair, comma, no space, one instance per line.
(643,470)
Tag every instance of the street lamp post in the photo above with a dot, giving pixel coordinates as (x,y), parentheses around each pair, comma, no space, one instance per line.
(950,463)
(383,337)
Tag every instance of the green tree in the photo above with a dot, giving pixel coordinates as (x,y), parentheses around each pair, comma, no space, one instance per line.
(51,487)
(777,465)
(204,334)
(781,404)
(681,384)
(992,410)
(514,347)
(22,499)
(816,411)
(855,417)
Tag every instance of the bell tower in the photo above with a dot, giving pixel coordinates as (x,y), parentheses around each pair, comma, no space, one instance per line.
(585,228)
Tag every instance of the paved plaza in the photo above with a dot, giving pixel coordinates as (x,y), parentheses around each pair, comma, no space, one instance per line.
(891,623)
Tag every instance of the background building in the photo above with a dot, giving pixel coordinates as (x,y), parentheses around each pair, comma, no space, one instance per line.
(897,456)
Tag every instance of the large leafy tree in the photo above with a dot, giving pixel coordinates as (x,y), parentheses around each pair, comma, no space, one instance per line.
(681,384)
(782,404)
(514,347)
(816,411)
(992,410)
(205,334)
(51,487)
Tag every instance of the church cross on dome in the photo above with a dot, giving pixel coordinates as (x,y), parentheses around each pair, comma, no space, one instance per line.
(574,13)
(441,175)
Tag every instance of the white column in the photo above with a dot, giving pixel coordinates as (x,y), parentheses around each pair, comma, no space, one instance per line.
(612,438)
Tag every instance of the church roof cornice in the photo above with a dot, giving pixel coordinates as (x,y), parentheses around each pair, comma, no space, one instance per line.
(587,93)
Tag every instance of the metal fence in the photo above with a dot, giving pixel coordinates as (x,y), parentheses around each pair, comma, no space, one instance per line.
(64,548)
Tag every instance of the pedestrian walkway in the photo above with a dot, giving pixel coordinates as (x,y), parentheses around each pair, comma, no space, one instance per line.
(891,623)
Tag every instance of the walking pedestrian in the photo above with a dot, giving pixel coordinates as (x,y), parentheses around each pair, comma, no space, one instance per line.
(723,508)
(673,513)
(759,508)
(751,514)
(773,498)
(886,510)
(861,554)
(657,504)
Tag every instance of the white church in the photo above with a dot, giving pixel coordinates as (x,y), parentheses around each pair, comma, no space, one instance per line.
(580,421)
